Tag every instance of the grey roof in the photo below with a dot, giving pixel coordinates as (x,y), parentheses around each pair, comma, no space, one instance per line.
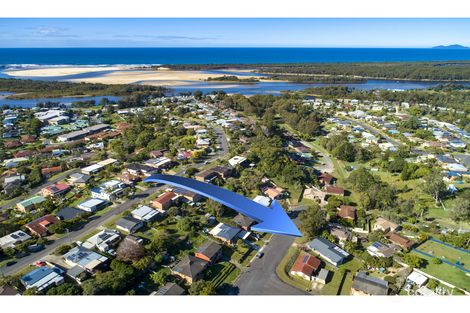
(128,222)
(323,274)
(209,249)
(69,213)
(328,250)
(243,221)
(75,271)
(80,177)
(370,285)
(170,289)
(190,266)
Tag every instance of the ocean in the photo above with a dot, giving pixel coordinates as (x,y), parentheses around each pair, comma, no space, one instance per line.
(111,56)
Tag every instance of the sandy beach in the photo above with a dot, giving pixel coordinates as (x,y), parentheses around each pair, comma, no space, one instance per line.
(59,71)
(122,75)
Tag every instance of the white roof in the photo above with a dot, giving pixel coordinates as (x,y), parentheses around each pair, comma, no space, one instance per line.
(107,162)
(90,203)
(417,278)
(92,168)
(144,213)
(13,238)
(236,160)
(266,201)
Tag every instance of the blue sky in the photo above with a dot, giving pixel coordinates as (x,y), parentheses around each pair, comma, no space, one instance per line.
(206,32)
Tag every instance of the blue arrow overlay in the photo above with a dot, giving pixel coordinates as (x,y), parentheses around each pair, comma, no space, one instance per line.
(271,219)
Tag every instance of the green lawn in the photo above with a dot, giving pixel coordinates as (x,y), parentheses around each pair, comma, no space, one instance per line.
(446,253)
(446,273)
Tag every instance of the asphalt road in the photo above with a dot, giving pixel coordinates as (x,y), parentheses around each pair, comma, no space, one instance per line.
(261,278)
(103,219)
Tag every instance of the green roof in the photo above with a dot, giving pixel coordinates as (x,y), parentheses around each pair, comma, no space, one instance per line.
(32,201)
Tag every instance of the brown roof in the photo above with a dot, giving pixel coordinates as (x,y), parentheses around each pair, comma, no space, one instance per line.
(326,178)
(273,192)
(166,197)
(24,153)
(400,240)
(49,170)
(306,264)
(12,144)
(347,211)
(28,139)
(39,226)
(334,190)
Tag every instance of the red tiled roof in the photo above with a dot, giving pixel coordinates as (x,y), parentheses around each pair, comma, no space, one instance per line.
(24,153)
(166,197)
(39,226)
(306,264)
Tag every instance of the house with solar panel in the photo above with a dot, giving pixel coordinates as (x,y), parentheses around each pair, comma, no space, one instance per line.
(328,251)
(85,258)
(43,278)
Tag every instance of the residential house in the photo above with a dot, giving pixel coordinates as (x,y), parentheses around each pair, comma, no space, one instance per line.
(347,212)
(164,201)
(384,225)
(334,191)
(69,213)
(169,289)
(79,179)
(322,277)
(243,221)
(364,284)
(381,250)
(85,258)
(328,251)
(305,266)
(103,241)
(145,213)
(128,178)
(190,268)
(341,234)
(159,163)
(43,278)
(274,193)
(400,240)
(50,171)
(216,171)
(109,191)
(129,224)
(39,226)
(188,195)
(92,169)
(30,203)
(226,233)
(55,190)
(237,160)
(140,169)
(416,279)
(7,290)
(209,251)
(92,205)
(10,240)
(326,179)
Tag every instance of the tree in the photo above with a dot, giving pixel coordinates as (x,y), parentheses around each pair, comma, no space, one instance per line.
(461,209)
(160,278)
(184,225)
(345,151)
(312,221)
(63,249)
(414,260)
(65,289)
(130,251)
(202,287)
(434,185)
(215,208)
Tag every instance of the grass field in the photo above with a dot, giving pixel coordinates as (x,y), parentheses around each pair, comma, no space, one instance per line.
(446,253)
(443,271)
